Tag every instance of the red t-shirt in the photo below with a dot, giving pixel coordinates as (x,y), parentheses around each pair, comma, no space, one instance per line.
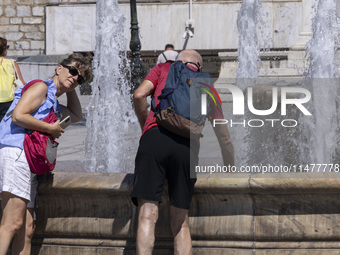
(158,76)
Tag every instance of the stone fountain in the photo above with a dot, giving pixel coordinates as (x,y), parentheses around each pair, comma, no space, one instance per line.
(246,213)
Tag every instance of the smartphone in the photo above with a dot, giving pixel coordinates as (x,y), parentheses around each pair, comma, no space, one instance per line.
(65,122)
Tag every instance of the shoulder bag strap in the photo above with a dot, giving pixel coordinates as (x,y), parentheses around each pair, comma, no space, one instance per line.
(16,76)
(29,84)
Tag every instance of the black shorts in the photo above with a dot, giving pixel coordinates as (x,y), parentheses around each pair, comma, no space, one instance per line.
(163,156)
(3,108)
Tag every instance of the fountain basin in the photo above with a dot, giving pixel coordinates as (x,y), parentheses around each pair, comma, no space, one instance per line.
(292,213)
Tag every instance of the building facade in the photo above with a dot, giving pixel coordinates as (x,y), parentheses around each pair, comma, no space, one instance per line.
(29,24)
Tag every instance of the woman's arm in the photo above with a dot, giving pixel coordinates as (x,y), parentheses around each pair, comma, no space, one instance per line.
(30,101)
(73,108)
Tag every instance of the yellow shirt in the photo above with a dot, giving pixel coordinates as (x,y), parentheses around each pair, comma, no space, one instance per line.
(6,80)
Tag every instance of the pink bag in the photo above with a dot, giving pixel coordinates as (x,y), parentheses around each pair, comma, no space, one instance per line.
(40,148)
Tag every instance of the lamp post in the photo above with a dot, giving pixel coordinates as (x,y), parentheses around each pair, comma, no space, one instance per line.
(138,71)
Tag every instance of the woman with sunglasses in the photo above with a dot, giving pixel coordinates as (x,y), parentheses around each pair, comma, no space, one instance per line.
(7,77)
(18,186)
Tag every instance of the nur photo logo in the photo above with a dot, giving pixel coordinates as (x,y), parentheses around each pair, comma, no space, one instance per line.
(277,101)
(212,95)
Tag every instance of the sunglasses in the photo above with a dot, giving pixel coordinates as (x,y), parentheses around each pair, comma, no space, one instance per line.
(74,72)
(195,64)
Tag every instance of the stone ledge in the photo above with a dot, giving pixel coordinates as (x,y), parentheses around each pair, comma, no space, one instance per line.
(268,55)
(293,213)
(284,183)
(93,183)
(195,243)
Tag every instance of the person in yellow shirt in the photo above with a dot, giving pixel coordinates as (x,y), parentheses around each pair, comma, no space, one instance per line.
(7,78)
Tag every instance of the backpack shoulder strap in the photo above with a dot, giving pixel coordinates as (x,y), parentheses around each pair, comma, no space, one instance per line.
(28,85)
(164,56)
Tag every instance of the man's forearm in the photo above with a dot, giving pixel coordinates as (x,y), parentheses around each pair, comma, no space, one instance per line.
(139,100)
(141,110)
(227,148)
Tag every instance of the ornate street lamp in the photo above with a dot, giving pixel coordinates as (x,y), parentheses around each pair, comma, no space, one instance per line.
(138,71)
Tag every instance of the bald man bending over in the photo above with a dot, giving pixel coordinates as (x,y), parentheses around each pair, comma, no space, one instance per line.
(163,155)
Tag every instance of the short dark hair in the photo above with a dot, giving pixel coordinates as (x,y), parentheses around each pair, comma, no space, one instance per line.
(3,45)
(169,46)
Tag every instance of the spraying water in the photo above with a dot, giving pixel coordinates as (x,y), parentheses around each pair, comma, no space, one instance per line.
(318,138)
(322,45)
(321,49)
(248,52)
(247,72)
(110,113)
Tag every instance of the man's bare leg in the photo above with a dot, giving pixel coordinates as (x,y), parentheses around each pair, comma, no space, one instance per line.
(23,239)
(13,213)
(147,218)
(180,230)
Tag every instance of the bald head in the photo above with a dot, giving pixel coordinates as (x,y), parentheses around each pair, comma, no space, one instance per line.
(190,56)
